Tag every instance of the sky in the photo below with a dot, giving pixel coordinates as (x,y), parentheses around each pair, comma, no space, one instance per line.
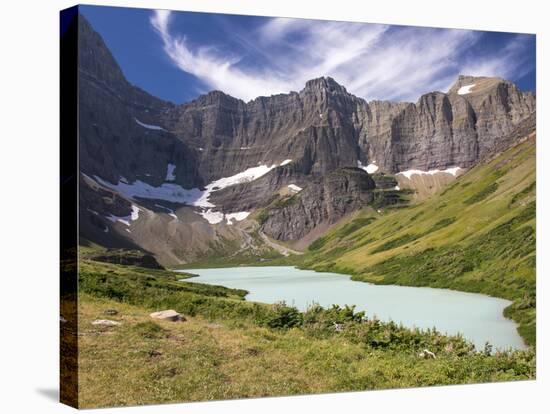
(178,56)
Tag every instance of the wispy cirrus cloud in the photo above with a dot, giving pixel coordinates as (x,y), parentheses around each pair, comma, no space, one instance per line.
(371,60)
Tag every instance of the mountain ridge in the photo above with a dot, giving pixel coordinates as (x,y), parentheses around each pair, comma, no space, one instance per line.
(131,138)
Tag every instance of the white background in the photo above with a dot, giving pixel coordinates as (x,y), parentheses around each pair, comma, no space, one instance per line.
(29,204)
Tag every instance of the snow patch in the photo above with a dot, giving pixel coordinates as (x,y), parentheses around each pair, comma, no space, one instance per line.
(134,215)
(245,176)
(409,173)
(192,197)
(213,217)
(95,213)
(170,176)
(371,168)
(240,216)
(171,212)
(295,188)
(167,191)
(464,90)
(149,126)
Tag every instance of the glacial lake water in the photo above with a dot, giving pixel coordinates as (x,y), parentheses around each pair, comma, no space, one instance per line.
(478,317)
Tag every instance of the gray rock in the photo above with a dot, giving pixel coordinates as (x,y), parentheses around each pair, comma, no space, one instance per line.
(105,322)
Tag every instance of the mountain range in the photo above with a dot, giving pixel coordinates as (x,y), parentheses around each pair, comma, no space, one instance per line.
(218,175)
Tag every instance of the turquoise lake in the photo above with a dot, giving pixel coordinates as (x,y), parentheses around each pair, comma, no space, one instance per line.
(478,317)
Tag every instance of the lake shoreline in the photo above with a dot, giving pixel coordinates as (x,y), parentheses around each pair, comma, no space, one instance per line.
(407,292)
(353,277)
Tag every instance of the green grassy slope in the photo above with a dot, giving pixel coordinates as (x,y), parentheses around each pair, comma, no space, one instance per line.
(477,235)
(231,348)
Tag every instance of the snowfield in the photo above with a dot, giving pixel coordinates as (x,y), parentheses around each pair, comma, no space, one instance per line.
(167,191)
(409,173)
(192,197)
(464,90)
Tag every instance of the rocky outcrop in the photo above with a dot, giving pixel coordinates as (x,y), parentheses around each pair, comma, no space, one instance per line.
(323,201)
(128,258)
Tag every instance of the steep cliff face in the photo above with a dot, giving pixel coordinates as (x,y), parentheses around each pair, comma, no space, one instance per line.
(500,107)
(323,127)
(117,135)
(127,132)
(324,201)
(138,151)
(316,128)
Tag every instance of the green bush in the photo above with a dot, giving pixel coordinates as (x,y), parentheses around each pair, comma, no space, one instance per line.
(527,190)
(441,224)
(262,217)
(318,244)
(282,316)
(392,244)
(354,225)
(482,195)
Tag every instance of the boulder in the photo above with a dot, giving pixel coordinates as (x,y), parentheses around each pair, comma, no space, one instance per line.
(105,322)
(168,315)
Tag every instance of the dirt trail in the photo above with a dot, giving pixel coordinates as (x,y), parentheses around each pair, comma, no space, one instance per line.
(285,251)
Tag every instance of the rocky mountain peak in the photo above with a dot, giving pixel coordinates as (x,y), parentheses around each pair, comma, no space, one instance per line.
(94,58)
(216,97)
(466,84)
(324,83)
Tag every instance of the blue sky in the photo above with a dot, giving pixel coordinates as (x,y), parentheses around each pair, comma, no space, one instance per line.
(180,55)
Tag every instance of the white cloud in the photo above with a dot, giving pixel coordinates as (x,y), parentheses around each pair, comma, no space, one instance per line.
(371,60)
(509,62)
(217,71)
